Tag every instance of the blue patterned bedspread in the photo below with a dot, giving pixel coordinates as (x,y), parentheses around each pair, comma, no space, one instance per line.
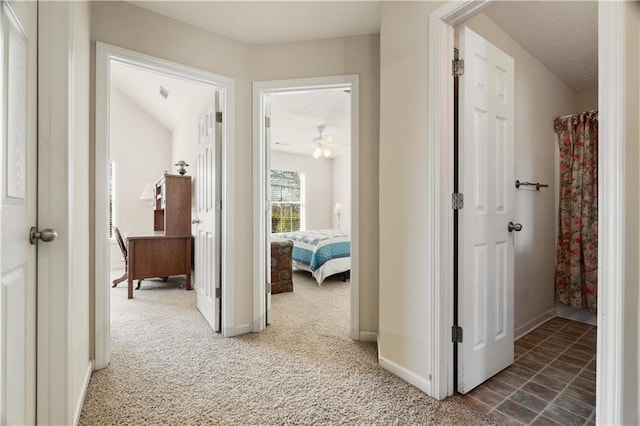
(315,248)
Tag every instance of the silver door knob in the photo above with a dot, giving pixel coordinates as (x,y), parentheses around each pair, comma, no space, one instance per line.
(514,227)
(195,221)
(46,235)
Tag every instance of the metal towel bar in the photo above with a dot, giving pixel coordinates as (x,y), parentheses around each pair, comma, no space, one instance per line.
(538,185)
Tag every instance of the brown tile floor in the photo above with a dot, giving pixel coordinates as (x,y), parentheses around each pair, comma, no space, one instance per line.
(551,382)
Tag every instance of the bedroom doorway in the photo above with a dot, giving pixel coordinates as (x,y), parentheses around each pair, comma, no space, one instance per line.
(305,136)
(202,107)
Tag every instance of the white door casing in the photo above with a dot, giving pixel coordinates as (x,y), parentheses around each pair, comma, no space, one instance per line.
(486,247)
(207,220)
(266,123)
(18,182)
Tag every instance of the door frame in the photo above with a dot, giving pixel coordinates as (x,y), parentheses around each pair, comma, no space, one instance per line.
(56,139)
(611,92)
(105,54)
(260,90)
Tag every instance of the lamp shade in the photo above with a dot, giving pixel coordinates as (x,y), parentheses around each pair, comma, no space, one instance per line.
(337,209)
(147,193)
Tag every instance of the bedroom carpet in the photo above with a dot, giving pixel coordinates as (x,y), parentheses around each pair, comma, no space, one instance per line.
(168,366)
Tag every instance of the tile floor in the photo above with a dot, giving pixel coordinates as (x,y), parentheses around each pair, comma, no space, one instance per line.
(552,381)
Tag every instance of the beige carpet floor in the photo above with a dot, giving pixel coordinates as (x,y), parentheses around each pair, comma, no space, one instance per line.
(168,367)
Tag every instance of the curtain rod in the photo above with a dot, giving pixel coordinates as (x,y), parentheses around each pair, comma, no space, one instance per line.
(570,115)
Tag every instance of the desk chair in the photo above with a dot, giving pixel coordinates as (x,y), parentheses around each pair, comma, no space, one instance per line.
(123,249)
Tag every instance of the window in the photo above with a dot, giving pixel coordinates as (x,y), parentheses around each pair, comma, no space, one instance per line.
(112,198)
(287,207)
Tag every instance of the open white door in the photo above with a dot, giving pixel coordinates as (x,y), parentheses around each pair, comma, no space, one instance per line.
(267,141)
(207,220)
(486,269)
(18,183)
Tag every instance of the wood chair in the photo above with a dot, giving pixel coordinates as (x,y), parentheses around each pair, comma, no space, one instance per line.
(123,249)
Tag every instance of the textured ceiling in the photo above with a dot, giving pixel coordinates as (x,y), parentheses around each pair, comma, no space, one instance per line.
(143,88)
(563,35)
(262,22)
(295,118)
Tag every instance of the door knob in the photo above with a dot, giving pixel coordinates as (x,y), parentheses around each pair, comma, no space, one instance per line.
(195,221)
(46,235)
(514,227)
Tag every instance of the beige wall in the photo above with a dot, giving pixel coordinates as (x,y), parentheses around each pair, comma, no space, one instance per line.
(631,292)
(587,100)
(124,25)
(540,96)
(338,56)
(80,278)
(141,148)
(404,294)
(341,190)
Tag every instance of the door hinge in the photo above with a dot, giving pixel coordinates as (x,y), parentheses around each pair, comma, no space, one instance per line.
(219,117)
(267,288)
(456,334)
(267,122)
(219,205)
(218,293)
(457,201)
(457,67)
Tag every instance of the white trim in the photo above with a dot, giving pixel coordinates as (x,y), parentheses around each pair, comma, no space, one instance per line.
(406,375)
(368,336)
(85,385)
(55,140)
(260,89)
(440,186)
(611,215)
(534,323)
(238,330)
(105,54)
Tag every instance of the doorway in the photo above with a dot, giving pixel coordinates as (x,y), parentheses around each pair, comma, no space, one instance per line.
(218,93)
(320,150)
(531,388)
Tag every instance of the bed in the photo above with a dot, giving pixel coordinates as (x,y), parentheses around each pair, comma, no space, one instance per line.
(323,252)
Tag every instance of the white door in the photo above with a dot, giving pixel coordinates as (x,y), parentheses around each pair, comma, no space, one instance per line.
(486,277)
(18,46)
(267,141)
(207,219)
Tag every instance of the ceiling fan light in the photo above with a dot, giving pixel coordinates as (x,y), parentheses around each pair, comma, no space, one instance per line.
(317,153)
(326,152)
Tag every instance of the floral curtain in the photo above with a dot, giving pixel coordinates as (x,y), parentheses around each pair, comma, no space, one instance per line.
(577,255)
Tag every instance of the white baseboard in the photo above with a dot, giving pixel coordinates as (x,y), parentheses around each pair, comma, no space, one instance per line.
(368,336)
(237,331)
(406,375)
(534,323)
(80,401)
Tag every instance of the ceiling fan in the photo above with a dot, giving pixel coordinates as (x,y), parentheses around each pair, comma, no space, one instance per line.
(323,144)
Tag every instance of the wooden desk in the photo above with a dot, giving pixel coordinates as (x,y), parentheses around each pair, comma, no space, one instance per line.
(153,254)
